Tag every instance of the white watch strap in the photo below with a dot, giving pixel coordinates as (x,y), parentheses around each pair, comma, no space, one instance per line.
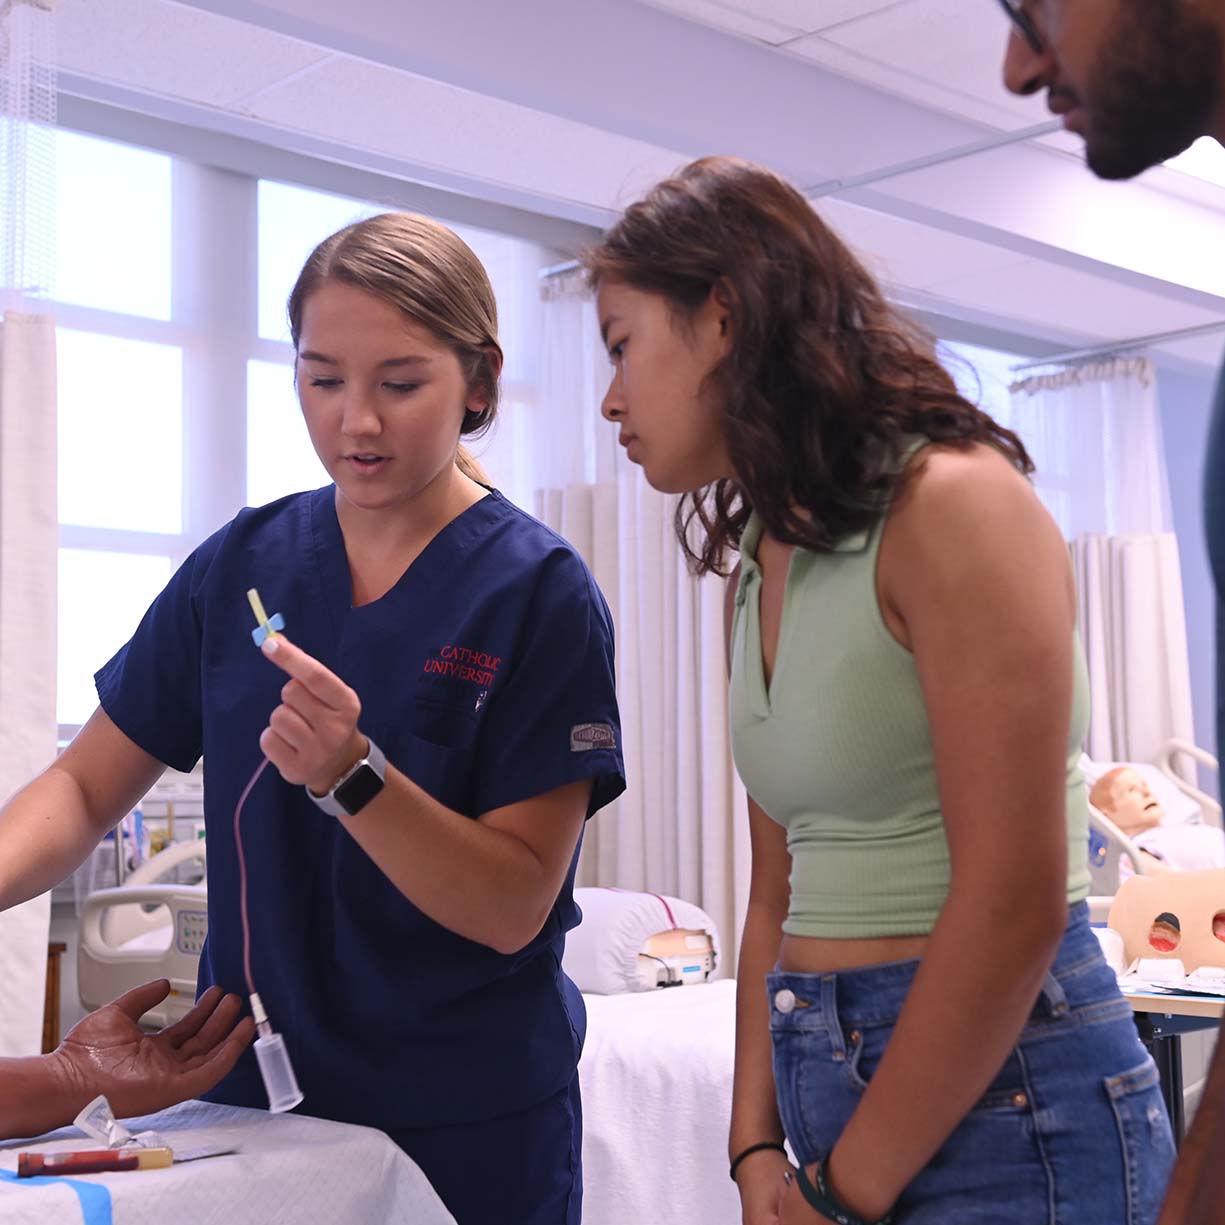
(374,759)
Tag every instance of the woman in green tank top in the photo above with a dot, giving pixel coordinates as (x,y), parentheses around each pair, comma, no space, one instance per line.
(924,1013)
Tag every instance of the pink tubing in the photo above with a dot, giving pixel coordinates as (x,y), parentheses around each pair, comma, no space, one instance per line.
(242,877)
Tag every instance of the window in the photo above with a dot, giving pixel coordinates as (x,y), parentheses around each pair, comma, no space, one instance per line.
(120,403)
(112,228)
(280,457)
(176,396)
(91,628)
(292,222)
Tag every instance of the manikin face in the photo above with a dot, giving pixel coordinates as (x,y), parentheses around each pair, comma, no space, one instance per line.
(383,397)
(668,417)
(1134,808)
(1138,79)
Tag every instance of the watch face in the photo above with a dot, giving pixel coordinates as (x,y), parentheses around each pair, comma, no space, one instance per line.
(357,791)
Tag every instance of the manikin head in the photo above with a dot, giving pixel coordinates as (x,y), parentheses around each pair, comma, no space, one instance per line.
(1124,796)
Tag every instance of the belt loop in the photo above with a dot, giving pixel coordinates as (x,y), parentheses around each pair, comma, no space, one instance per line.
(1053,994)
(829,1014)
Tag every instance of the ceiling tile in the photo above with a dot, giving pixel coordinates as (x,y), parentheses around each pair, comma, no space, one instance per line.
(433,124)
(174,50)
(774,21)
(731,19)
(809,16)
(943,53)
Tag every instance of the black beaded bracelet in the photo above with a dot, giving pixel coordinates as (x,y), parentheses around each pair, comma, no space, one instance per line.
(748,1152)
(822,1199)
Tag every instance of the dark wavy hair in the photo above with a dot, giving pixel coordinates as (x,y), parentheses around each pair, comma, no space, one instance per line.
(825,383)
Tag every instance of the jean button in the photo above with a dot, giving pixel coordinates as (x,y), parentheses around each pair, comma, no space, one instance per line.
(1019,1100)
(784,1000)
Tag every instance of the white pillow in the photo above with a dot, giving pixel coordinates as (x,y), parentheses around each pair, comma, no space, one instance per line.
(602,952)
(1180,808)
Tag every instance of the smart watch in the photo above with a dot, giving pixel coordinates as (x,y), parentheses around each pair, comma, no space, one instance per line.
(357,786)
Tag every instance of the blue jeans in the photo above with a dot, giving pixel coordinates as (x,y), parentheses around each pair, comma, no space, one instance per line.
(1072,1130)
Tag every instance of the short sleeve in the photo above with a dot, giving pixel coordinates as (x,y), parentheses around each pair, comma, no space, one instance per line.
(554,720)
(151,687)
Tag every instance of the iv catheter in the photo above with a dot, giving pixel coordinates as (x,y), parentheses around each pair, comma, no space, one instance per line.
(270,1052)
(266,626)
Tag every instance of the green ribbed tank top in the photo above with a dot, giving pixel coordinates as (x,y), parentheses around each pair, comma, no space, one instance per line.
(837,749)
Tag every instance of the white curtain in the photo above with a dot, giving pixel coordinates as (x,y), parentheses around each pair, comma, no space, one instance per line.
(1094,432)
(575,445)
(28,530)
(28,520)
(1133,627)
(681,827)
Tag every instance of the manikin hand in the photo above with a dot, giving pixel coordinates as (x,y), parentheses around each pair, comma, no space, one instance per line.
(141,1073)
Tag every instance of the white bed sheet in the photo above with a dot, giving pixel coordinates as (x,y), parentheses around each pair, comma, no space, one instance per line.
(289,1170)
(656,1079)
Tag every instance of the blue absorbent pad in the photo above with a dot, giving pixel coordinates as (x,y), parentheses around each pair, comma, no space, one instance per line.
(94,1197)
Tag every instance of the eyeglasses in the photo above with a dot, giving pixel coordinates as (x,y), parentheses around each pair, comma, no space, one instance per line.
(1024,22)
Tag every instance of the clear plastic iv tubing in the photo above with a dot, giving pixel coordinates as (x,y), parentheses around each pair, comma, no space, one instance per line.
(242,878)
(270,1052)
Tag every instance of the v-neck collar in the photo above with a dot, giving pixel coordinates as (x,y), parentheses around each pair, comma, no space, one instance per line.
(440,555)
(762,694)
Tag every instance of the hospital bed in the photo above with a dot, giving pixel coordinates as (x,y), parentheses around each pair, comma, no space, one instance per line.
(656,1069)
(150,927)
(656,1078)
(1183,803)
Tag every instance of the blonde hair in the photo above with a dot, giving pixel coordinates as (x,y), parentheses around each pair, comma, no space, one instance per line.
(433,276)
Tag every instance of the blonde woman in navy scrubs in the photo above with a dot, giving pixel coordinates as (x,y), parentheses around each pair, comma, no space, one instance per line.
(442,720)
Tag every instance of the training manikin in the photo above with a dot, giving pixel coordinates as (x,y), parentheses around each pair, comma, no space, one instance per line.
(1127,799)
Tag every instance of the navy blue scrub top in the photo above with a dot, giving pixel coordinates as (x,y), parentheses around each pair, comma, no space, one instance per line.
(486,676)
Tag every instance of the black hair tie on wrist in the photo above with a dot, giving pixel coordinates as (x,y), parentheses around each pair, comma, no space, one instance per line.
(748,1152)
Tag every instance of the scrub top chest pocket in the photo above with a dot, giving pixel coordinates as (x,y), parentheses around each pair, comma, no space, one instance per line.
(451,691)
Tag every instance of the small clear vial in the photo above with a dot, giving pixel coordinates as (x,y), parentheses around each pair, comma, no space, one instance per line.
(274,1066)
(280,1083)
